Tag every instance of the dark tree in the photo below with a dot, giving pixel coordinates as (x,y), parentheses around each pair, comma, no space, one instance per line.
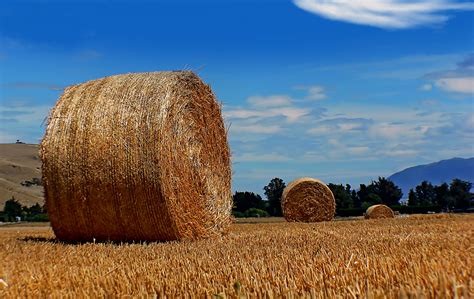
(355,199)
(342,195)
(247,200)
(412,198)
(273,192)
(460,191)
(389,193)
(12,209)
(363,193)
(442,196)
(35,209)
(425,194)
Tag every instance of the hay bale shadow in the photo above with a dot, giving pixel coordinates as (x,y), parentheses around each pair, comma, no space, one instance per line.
(105,242)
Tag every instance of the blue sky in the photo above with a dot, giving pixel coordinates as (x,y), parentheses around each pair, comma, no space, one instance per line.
(343,90)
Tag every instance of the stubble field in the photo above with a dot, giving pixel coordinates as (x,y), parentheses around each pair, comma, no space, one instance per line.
(417,256)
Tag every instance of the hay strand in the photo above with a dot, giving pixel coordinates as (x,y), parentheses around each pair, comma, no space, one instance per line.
(308,200)
(379,211)
(137,157)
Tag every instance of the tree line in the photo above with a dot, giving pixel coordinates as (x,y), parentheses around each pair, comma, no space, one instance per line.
(14,211)
(351,202)
(425,197)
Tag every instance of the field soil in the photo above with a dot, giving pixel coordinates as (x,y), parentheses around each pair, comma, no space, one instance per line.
(20,163)
(418,256)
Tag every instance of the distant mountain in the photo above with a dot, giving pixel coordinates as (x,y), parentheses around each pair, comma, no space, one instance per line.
(436,173)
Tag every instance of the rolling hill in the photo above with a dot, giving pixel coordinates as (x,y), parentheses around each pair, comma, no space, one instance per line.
(20,163)
(436,173)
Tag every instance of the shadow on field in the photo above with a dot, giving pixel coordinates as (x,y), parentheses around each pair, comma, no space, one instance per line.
(39,240)
(108,242)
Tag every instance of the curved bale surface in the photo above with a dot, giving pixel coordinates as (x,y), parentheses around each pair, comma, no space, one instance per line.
(379,211)
(137,157)
(308,200)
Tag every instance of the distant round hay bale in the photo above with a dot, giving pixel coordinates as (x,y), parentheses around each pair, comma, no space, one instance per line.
(137,157)
(379,211)
(308,200)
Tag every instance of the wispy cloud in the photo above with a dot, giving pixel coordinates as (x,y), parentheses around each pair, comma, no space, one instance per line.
(269,101)
(255,129)
(426,87)
(32,85)
(458,80)
(460,85)
(391,14)
(340,125)
(266,157)
(314,92)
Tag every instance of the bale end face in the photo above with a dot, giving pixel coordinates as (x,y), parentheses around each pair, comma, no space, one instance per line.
(308,200)
(378,212)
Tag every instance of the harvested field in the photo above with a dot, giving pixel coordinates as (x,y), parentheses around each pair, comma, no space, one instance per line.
(422,256)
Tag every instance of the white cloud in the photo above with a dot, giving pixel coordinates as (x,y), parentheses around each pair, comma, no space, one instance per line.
(340,125)
(254,157)
(269,101)
(26,115)
(316,93)
(458,84)
(426,87)
(255,129)
(320,130)
(291,114)
(358,150)
(402,153)
(390,131)
(394,14)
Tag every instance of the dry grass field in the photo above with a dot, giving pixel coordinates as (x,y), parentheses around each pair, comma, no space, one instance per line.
(418,256)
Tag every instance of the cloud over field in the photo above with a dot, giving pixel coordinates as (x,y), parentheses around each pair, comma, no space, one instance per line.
(392,14)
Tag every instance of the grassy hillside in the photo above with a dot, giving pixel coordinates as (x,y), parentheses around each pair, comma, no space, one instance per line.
(20,163)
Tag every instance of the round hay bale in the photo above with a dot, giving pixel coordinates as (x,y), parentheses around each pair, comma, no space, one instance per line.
(137,157)
(379,211)
(308,200)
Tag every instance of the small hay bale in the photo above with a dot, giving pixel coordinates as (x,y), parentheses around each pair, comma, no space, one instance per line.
(137,157)
(379,211)
(308,200)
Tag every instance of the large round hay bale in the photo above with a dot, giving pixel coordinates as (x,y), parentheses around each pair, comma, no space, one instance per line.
(308,200)
(137,157)
(379,211)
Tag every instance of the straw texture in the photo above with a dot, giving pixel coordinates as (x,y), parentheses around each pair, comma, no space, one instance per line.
(308,200)
(137,157)
(379,211)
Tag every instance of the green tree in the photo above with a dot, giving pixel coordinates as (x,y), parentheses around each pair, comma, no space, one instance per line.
(460,191)
(442,196)
(247,200)
(363,193)
(342,195)
(12,209)
(253,212)
(389,193)
(425,194)
(355,199)
(35,209)
(273,192)
(412,198)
